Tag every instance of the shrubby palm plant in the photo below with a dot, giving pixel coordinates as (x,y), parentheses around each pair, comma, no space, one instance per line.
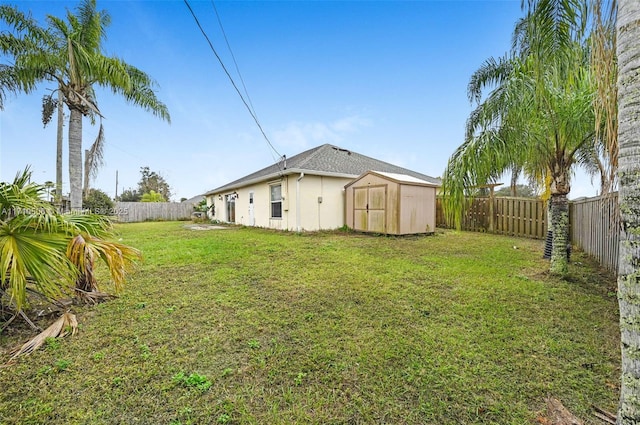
(55,253)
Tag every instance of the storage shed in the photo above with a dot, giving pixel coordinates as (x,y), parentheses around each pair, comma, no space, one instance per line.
(395,204)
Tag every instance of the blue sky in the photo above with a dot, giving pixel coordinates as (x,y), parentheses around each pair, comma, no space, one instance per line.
(384,79)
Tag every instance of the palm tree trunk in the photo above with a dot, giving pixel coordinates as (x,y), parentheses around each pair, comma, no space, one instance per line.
(515,174)
(87,167)
(628,50)
(75,158)
(560,229)
(59,142)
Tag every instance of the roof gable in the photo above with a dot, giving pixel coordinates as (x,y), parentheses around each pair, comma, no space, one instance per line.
(395,177)
(324,160)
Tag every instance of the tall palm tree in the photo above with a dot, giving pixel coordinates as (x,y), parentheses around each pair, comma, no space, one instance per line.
(628,51)
(69,53)
(539,114)
(86,66)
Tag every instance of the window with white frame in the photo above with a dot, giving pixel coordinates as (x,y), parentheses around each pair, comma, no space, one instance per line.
(276,201)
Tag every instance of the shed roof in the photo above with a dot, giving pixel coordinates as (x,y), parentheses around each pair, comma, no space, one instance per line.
(403,178)
(326,160)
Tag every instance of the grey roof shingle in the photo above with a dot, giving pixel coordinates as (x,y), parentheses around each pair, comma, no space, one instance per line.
(326,160)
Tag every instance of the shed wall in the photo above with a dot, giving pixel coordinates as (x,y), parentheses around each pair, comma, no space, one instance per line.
(417,209)
(409,208)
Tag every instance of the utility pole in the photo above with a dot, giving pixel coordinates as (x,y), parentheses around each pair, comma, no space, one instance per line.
(116,197)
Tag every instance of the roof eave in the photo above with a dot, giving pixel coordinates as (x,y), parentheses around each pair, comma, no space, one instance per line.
(276,175)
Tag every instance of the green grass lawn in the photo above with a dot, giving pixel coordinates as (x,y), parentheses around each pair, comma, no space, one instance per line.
(249,326)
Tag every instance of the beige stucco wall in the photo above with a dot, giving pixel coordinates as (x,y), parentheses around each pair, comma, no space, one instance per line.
(313,215)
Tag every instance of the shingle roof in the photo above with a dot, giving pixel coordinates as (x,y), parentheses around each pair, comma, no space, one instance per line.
(324,160)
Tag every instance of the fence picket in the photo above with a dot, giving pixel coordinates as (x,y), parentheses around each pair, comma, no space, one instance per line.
(129,212)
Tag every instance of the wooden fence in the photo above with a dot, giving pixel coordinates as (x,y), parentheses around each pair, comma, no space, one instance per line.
(594,222)
(129,212)
(524,217)
(595,228)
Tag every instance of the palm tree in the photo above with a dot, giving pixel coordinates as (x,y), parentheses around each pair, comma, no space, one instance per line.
(605,69)
(538,116)
(49,105)
(31,248)
(84,65)
(52,252)
(628,51)
(69,53)
(12,80)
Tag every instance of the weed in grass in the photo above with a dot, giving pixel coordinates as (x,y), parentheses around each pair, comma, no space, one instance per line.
(227,372)
(117,381)
(62,365)
(140,306)
(52,344)
(254,343)
(45,370)
(299,377)
(171,309)
(224,418)
(194,380)
(98,356)
(145,352)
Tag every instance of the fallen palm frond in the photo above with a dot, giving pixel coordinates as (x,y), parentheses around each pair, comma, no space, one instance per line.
(604,415)
(559,414)
(65,325)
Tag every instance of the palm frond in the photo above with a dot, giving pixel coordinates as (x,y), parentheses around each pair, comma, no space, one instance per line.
(83,250)
(27,253)
(67,324)
(492,73)
(94,156)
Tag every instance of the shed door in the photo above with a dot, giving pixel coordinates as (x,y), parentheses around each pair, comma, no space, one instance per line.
(369,208)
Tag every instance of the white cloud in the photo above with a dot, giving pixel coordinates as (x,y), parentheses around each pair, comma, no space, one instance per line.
(298,136)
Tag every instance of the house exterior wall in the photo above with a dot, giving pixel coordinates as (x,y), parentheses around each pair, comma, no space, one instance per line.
(321,203)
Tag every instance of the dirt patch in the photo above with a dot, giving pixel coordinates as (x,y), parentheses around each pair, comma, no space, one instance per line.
(204,227)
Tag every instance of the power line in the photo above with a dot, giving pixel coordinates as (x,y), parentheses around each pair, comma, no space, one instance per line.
(224,34)
(253,115)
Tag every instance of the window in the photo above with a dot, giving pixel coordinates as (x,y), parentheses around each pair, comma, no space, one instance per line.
(276,201)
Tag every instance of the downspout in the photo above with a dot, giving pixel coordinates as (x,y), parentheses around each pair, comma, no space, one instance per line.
(298,201)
